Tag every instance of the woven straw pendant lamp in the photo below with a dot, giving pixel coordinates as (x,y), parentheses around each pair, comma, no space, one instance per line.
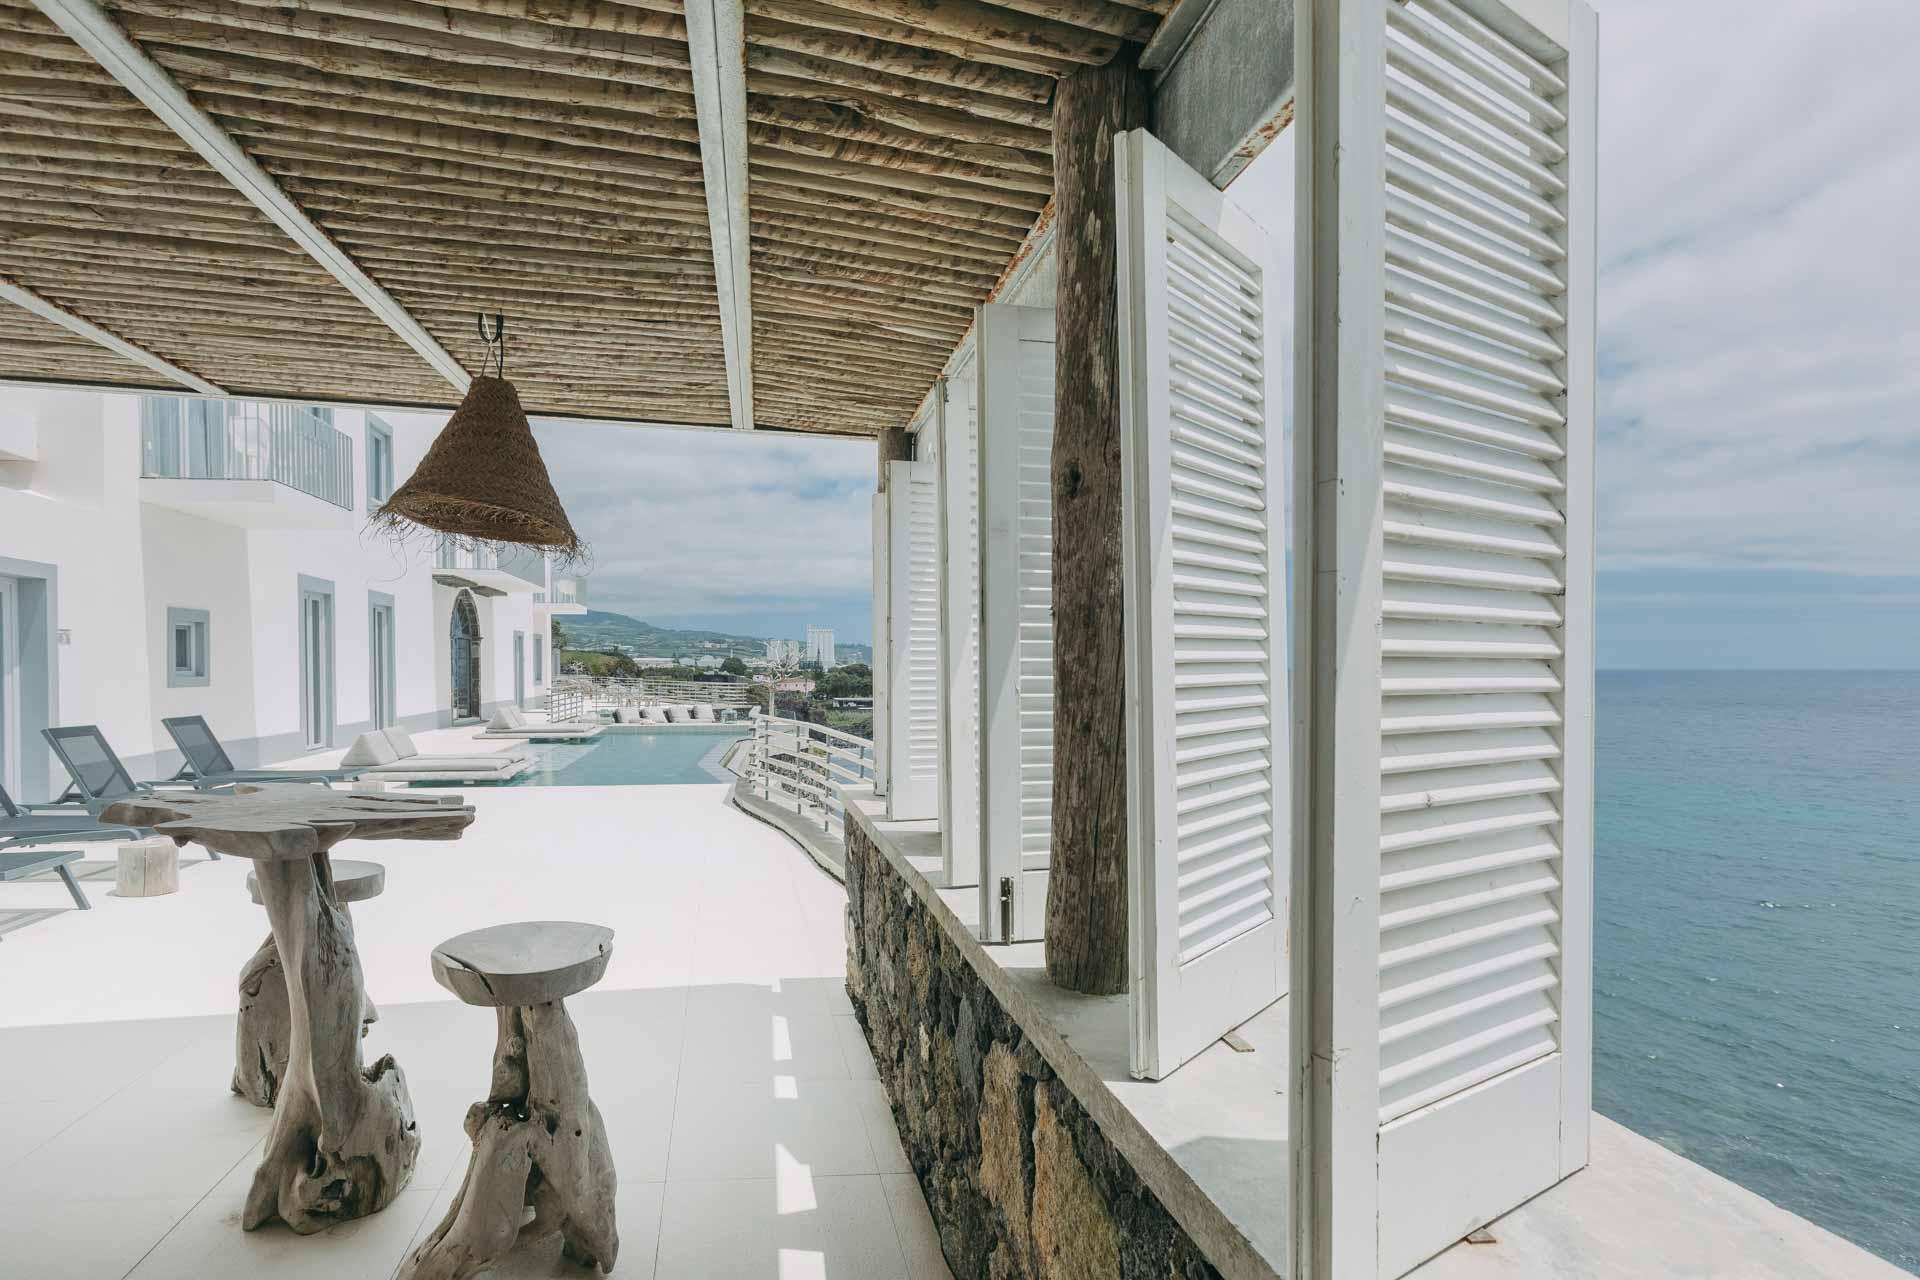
(483,480)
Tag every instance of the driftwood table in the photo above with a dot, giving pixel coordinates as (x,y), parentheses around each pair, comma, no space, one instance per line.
(343,1141)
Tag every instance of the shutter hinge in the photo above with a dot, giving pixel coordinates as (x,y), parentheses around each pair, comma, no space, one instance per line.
(1006,908)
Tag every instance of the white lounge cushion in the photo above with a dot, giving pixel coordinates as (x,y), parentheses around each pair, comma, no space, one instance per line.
(626,715)
(369,749)
(507,716)
(401,743)
(701,712)
(651,715)
(482,764)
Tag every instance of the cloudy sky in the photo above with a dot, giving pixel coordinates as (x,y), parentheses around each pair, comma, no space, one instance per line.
(759,535)
(1760,351)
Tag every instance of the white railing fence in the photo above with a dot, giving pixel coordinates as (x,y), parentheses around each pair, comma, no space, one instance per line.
(565,702)
(798,763)
(607,692)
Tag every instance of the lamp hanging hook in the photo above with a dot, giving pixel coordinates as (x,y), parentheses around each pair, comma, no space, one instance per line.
(496,342)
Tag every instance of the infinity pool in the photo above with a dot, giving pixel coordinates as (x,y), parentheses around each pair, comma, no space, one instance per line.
(625,757)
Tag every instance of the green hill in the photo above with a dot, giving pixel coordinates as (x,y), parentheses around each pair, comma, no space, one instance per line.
(598,629)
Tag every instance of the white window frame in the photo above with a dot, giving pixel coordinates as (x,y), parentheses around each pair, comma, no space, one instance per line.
(198,625)
(379,461)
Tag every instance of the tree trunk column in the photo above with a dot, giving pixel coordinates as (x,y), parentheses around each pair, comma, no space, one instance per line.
(1087,887)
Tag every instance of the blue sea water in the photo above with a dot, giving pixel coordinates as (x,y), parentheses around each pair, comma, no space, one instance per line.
(1757,934)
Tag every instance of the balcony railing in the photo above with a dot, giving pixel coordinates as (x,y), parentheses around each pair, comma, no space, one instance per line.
(563,591)
(608,692)
(526,565)
(803,765)
(287,444)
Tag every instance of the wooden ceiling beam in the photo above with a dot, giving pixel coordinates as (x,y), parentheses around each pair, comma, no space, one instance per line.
(88,25)
(716,46)
(31,301)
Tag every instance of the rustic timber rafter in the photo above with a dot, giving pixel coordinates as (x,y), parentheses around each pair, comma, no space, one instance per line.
(93,30)
(716,45)
(39,306)
(773,213)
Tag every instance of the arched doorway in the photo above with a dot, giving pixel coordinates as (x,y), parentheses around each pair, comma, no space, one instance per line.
(464,632)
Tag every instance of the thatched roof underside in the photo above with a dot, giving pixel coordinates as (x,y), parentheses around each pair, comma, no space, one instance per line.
(539,158)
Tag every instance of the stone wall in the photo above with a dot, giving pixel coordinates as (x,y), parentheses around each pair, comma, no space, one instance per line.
(1021,1183)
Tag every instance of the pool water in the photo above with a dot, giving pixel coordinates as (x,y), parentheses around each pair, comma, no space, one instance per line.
(625,757)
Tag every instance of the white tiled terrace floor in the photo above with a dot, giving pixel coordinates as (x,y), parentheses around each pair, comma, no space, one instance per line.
(751,1136)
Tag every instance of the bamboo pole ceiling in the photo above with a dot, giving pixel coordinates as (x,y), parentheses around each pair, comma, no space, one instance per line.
(540,158)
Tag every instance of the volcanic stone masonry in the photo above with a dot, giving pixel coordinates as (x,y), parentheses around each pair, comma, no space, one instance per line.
(1021,1183)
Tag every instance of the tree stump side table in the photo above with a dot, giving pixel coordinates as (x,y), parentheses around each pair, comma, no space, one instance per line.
(537,1140)
(263,1033)
(343,1141)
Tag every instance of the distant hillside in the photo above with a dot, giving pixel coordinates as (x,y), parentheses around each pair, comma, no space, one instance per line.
(598,629)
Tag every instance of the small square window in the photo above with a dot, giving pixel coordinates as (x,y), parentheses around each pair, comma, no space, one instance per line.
(188,661)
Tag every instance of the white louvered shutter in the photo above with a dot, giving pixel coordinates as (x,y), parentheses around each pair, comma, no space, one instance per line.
(1014,349)
(1475,191)
(913,780)
(1203,460)
(960,626)
(882,643)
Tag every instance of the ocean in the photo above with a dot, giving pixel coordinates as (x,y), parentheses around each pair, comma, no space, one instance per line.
(1757,934)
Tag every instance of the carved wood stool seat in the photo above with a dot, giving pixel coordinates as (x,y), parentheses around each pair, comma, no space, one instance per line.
(538,1141)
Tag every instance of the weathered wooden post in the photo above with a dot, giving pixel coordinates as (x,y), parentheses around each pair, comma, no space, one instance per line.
(895,444)
(1087,891)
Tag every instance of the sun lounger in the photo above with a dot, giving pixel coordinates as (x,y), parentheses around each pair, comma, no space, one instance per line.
(48,825)
(508,722)
(389,754)
(208,765)
(21,831)
(98,777)
(18,866)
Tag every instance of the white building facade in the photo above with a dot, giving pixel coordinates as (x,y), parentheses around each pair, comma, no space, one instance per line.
(163,557)
(820,647)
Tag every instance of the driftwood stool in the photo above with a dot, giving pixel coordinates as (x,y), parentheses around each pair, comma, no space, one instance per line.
(538,1141)
(264,1036)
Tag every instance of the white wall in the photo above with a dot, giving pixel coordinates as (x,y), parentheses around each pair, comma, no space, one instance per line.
(121,564)
(78,508)
(198,564)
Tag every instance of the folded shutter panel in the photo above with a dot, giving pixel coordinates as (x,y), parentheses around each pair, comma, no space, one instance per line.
(1015,398)
(914,672)
(1457,350)
(1206,609)
(882,643)
(960,625)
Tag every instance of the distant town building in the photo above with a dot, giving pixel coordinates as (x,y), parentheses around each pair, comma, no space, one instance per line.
(820,646)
